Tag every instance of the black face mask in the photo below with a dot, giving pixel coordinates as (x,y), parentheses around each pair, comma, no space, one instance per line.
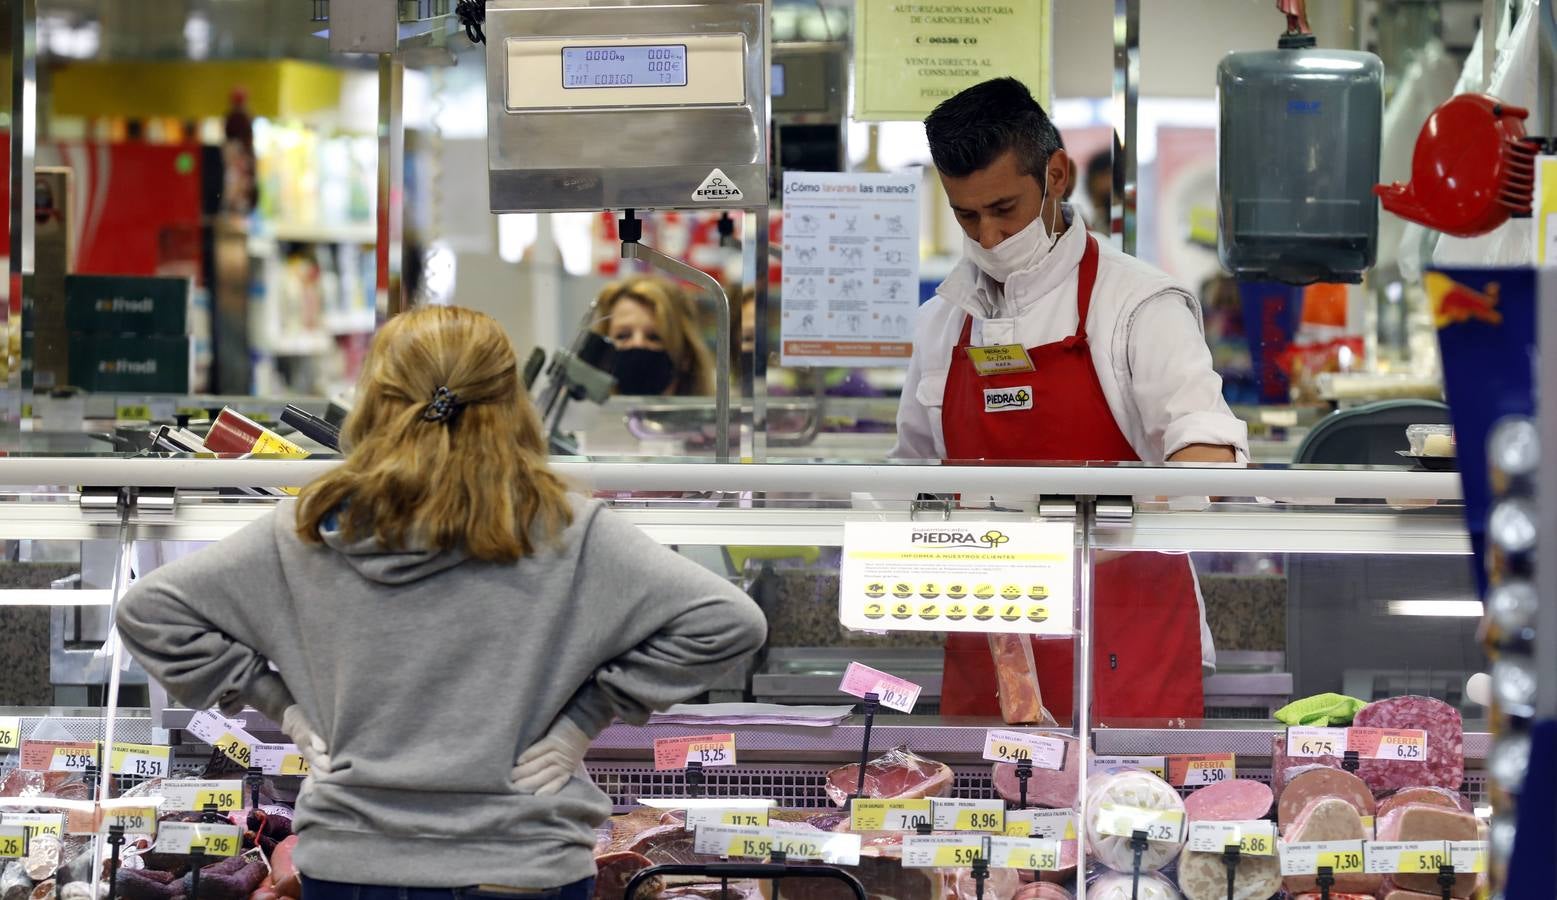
(643,373)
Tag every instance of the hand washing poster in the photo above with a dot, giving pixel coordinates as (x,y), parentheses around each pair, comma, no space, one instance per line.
(851,268)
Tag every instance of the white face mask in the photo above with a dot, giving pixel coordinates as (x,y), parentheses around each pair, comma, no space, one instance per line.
(1019,252)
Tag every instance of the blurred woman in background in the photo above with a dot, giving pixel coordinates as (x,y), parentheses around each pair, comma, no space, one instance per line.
(659,352)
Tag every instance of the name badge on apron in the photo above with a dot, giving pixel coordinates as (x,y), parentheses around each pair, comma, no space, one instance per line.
(1001,359)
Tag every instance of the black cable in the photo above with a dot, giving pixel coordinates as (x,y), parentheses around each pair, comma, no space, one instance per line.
(472,14)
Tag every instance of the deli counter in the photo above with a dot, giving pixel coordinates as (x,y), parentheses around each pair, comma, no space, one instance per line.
(1352,581)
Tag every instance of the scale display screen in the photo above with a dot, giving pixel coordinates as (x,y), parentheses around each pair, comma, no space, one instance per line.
(638,65)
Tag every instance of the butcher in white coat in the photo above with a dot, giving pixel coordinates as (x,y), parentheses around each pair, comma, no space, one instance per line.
(1046,345)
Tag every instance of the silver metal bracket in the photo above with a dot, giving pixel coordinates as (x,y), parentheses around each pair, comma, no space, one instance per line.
(102,504)
(1115,510)
(1056,506)
(157,503)
(929,505)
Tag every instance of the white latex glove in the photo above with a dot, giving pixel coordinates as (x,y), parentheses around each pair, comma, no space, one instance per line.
(550,762)
(308,742)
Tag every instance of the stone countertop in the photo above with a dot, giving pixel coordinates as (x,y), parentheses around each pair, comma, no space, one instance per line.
(24,635)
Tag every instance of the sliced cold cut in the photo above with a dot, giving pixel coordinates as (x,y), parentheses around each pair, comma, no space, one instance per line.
(1016,679)
(1042,890)
(1119,886)
(614,870)
(1049,788)
(1133,788)
(897,774)
(1322,782)
(1426,796)
(1203,876)
(1445,765)
(1329,819)
(1239,800)
(958,884)
(1430,823)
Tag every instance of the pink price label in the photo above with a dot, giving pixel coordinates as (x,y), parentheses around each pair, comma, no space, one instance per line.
(40,755)
(1407,744)
(894,692)
(709,749)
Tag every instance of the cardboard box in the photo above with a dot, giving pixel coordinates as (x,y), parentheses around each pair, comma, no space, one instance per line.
(127,305)
(131,364)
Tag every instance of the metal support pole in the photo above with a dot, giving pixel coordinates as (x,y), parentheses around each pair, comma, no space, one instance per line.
(24,138)
(390,247)
(1127,89)
(1081,721)
(759,374)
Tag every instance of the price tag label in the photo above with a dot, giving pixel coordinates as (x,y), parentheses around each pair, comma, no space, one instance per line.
(140,760)
(1251,838)
(889,815)
(10,732)
(182,837)
(1024,853)
(969,815)
(894,692)
(1306,741)
(1407,857)
(73,759)
(707,749)
(211,728)
(235,748)
(13,841)
(1202,769)
(941,851)
(1044,824)
(40,756)
(1164,825)
(739,818)
(1015,746)
(1408,744)
(1306,858)
(1469,857)
(34,824)
(195,795)
(762,843)
(133,819)
(1157,765)
(279,759)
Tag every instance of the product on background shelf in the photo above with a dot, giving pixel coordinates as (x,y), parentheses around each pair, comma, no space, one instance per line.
(1203,876)
(668,845)
(1238,800)
(1283,768)
(1396,893)
(1139,790)
(1329,819)
(1430,796)
(1016,680)
(958,884)
(1420,822)
(1119,886)
(898,774)
(614,870)
(1317,782)
(1445,765)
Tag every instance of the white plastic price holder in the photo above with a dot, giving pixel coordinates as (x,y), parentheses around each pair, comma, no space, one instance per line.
(1024,853)
(1307,741)
(1257,838)
(1405,857)
(889,815)
(940,851)
(180,838)
(1162,825)
(1014,746)
(1307,858)
(1043,824)
(226,796)
(279,759)
(969,815)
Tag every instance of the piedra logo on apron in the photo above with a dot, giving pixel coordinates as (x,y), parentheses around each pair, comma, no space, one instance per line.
(1007,399)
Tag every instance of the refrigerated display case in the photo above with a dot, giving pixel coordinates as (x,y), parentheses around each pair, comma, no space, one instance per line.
(777,530)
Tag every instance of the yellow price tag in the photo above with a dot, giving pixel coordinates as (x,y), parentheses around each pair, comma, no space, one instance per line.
(1426,863)
(10,733)
(294,764)
(11,845)
(959,855)
(980,820)
(53,827)
(1000,359)
(750,818)
(233,747)
(1018,828)
(215,844)
(1256,845)
(888,815)
(750,847)
(1159,824)
(139,820)
(140,760)
(223,800)
(1341,862)
(1046,860)
(132,412)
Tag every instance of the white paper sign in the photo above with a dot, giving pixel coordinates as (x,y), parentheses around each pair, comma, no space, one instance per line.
(1045,824)
(1010,577)
(216,840)
(1251,838)
(192,795)
(1308,742)
(1015,746)
(1306,858)
(851,268)
(762,843)
(955,814)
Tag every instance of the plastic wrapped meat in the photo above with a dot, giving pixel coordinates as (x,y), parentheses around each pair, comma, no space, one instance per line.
(1119,886)
(14,881)
(897,774)
(1133,788)
(1047,787)
(1016,679)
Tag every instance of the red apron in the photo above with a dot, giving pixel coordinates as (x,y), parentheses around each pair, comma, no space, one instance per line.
(1146,619)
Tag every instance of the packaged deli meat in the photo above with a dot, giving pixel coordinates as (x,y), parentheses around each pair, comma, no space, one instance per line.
(1428,796)
(1042,890)
(1132,788)
(1445,764)
(1048,788)
(1329,819)
(1239,800)
(897,774)
(1016,680)
(1421,822)
(1317,782)
(1203,876)
(1119,886)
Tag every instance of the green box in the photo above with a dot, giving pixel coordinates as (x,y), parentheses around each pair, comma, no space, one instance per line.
(127,304)
(131,364)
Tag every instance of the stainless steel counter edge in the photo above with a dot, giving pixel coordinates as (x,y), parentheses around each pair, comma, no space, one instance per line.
(887,480)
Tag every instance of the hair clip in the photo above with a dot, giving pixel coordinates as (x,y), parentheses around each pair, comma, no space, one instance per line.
(445,403)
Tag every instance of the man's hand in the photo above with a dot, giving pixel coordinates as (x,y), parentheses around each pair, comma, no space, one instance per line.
(309,744)
(552,761)
(1205,453)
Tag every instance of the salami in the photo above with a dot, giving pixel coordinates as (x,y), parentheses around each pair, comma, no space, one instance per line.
(1133,788)
(1445,765)
(1421,822)
(1238,800)
(1049,788)
(1203,876)
(1119,886)
(1318,782)
(1428,796)
(1329,819)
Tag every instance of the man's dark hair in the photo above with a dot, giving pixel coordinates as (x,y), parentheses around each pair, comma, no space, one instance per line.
(1100,164)
(971,130)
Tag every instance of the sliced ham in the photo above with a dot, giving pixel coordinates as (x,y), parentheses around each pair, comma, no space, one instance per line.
(1239,800)
(1317,782)
(1429,796)
(614,870)
(1048,788)
(897,774)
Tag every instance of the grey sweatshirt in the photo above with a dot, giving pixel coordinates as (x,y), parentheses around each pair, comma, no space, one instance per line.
(428,673)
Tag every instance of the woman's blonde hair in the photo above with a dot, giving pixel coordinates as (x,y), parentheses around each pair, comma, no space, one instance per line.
(677,320)
(469,473)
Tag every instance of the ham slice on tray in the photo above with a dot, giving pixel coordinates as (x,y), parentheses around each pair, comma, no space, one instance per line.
(1047,788)
(897,774)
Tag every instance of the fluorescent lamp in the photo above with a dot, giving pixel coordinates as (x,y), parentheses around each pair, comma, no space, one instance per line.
(46,597)
(1462,609)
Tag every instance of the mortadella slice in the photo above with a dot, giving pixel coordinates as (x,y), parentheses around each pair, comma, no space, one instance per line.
(1429,796)
(1329,819)
(1430,823)
(1322,782)
(1239,800)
